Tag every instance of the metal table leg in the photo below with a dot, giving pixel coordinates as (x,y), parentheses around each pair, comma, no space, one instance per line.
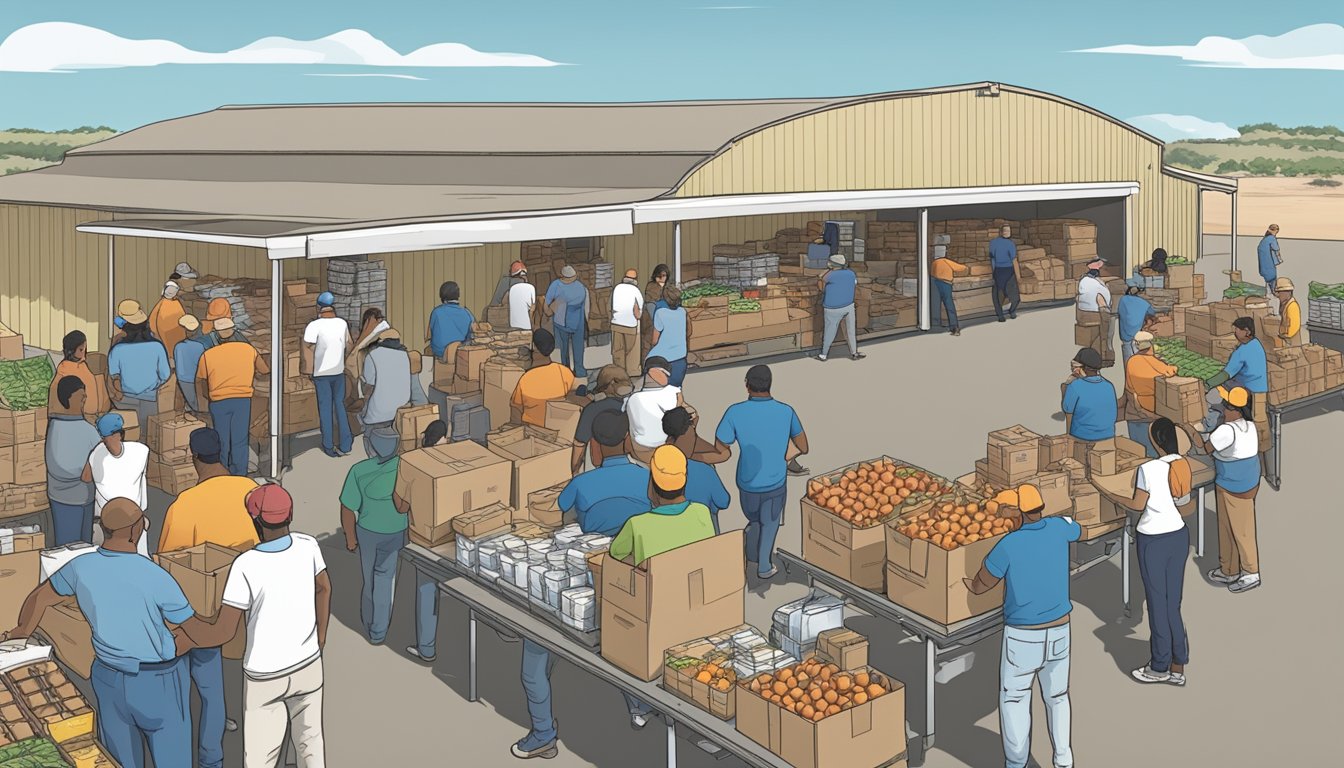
(930,659)
(471,655)
(1276,435)
(1125,540)
(671,742)
(1199,538)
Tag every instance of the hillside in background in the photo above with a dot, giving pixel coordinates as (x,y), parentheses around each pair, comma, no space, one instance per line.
(1265,149)
(23,149)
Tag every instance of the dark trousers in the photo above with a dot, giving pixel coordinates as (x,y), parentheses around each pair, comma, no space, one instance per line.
(231,419)
(71,523)
(945,299)
(570,342)
(678,373)
(1005,287)
(765,514)
(331,416)
(1162,566)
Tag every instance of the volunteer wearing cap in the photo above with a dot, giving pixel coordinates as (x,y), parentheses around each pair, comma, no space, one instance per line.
(1290,331)
(325,343)
(521,298)
(627,309)
(450,322)
(543,382)
(1133,313)
(567,305)
(945,271)
(608,395)
(653,301)
(1033,563)
(187,359)
(281,590)
(117,466)
(765,431)
(1089,402)
(1268,257)
(387,381)
(1003,259)
(70,440)
(165,316)
(75,362)
(224,384)
(1094,307)
(375,528)
(137,365)
(183,270)
(1235,447)
(837,289)
(672,335)
(703,484)
(140,682)
(426,587)
(646,407)
(673,522)
(217,309)
(1249,367)
(1140,398)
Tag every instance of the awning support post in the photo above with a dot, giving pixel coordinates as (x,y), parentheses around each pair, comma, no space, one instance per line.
(1234,230)
(925,315)
(111,287)
(676,252)
(277,367)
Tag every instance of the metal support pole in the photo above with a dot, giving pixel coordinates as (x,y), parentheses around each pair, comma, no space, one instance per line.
(277,361)
(1276,436)
(1130,258)
(1199,526)
(925,316)
(1125,541)
(930,659)
(471,655)
(111,288)
(1234,230)
(676,252)
(671,742)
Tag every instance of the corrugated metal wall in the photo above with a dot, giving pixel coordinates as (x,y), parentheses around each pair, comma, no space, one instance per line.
(1178,226)
(413,281)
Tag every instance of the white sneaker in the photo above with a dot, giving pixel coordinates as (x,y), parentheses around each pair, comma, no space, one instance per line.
(639,721)
(1176,679)
(1245,583)
(1145,674)
(1222,578)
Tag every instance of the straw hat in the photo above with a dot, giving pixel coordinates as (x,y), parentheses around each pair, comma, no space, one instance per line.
(1283,284)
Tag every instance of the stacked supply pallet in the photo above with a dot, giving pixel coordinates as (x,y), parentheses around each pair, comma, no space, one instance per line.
(358,284)
(24,385)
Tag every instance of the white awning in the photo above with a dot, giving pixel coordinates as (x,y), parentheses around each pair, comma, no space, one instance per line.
(456,234)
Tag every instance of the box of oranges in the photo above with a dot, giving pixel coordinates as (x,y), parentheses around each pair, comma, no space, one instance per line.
(701,672)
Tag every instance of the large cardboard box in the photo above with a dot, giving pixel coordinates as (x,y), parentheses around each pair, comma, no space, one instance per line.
(11,344)
(470,358)
(1119,484)
(30,462)
(1086,504)
(689,592)
(843,647)
(1180,275)
(201,571)
(836,545)
(170,432)
(928,579)
(447,480)
(499,377)
(562,417)
(1181,399)
(1053,449)
(869,735)
(70,635)
(19,427)
(1055,491)
(19,575)
(1013,454)
(7,465)
(411,422)
(539,460)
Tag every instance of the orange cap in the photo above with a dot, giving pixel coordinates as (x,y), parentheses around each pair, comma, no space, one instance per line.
(218,308)
(517,267)
(1237,397)
(1029,498)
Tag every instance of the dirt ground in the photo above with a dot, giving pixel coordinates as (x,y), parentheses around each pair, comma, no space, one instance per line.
(1300,209)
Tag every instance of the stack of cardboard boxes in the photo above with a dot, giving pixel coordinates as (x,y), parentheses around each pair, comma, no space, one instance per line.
(1208,327)
(23,461)
(168,436)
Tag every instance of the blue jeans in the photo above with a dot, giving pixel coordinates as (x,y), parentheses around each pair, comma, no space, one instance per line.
(1030,655)
(71,523)
(378,558)
(764,513)
(207,673)
(331,413)
(1005,287)
(537,667)
(944,289)
(152,706)
(677,374)
(426,615)
(188,390)
(570,342)
(1162,566)
(1138,432)
(231,418)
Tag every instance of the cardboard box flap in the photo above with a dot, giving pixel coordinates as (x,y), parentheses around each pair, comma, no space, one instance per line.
(860,721)
(719,569)
(910,555)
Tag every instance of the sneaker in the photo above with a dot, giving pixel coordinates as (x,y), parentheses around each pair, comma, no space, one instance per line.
(529,747)
(230,724)
(1145,674)
(1003,319)
(796,469)
(1245,583)
(1177,679)
(414,653)
(1222,578)
(1012,316)
(857,356)
(822,358)
(956,331)
(637,722)
(770,574)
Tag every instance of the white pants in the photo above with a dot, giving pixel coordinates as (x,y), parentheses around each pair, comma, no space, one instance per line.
(832,319)
(1030,655)
(270,706)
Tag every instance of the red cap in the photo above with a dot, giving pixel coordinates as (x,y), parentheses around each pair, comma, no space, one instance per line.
(271,504)
(517,267)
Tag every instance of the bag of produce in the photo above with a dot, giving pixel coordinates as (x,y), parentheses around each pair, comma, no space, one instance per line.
(24,384)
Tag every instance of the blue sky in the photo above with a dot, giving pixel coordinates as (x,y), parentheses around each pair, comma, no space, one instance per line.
(647,49)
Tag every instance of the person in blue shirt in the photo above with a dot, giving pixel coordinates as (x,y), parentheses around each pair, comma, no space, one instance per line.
(1268,258)
(1090,401)
(140,680)
(672,335)
(1033,563)
(567,305)
(450,322)
(1003,259)
(837,288)
(137,364)
(703,485)
(1249,367)
(1135,314)
(764,430)
(186,358)
(602,499)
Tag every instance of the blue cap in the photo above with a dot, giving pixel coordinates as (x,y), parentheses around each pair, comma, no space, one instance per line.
(204,442)
(325,299)
(110,423)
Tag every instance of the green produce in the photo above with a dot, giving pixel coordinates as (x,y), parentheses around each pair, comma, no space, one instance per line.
(25,383)
(32,753)
(744,305)
(707,289)
(1238,290)
(1187,363)
(1326,290)
(684,662)
(1178,260)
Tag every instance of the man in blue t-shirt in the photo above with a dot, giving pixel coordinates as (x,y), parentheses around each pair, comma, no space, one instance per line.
(567,305)
(1249,367)
(764,430)
(1033,563)
(450,322)
(838,287)
(1003,258)
(1090,401)
(703,485)
(1135,314)
(1268,258)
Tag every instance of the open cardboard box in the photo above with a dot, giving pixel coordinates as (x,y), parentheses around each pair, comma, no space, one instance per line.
(445,481)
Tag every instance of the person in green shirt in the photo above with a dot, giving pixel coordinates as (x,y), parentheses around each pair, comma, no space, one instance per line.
(673,522)
(375,528)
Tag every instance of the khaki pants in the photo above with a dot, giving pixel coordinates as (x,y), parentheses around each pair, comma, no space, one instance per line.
(269,706)
(1260,417)
(1102,321)
(1237,549)
(625,350)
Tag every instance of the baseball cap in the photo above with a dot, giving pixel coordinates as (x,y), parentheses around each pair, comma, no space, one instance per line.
(218,308)
(120,513)
(205,442)
(517,267)
(1088,358)
(270,503)
(1143,340)
(1284,284)
(939,251)
(1237,397)
(224,324)
(1029,498)
(568,271)
(189,322)
(171,287)
(326,299)
(1096,264)
(610,428)
(1007,498)
(838,259)
(659,363)
(186,270)
(110,423)
(668,468)
(613,380)
(131,311)
(384,441)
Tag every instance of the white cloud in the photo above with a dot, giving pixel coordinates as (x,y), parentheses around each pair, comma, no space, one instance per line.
(1318,46)
(364,74)
(1176,127)
(57,46)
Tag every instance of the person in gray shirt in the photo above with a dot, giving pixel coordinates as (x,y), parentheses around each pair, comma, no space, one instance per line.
(70,439)
(387,383)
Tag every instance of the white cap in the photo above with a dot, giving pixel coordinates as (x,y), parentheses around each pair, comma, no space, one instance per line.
(942,239)
(186,270)
(939,251)
(171,289)
(837,259)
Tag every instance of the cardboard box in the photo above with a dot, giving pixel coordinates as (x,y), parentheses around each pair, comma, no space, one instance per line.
(171,432)
(7,465)
(1181,399)
(1120,484)
(11,344)
(499,377)
(928,579)
(1086,335)
(539,460)
(1118,454)
(1053,449)
(1180,275)
(448,480)
(869,735)
(1086,504)
(682,682)
(19,575)
(70,635)
(677,596)
(201,571)
(835,545)
(482,522)
(1013,454)
(595,560)
(1055,491)
(470,358)
(562,417)
(542,508)
(843,647)
(30,463)
(19,427)
(412,420)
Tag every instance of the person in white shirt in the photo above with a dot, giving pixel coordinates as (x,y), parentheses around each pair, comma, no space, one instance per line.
(1094,307)
(117,466)
(282,590)
(646,407)
(1235,446)
(1163,493)
(627,309)
(521,298)
(325,341)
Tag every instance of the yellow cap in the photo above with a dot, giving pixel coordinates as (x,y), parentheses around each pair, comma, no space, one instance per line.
(1029,498)
(668,468)
(130,311)
(1007,498)
(1237,397)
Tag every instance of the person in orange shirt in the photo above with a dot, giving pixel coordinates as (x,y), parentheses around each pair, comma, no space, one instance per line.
(1140,399)
(217,309)
(544,382)
(164,317)
(1290,330)
(214,511)
(224,382)
(75,348)
(944,270)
